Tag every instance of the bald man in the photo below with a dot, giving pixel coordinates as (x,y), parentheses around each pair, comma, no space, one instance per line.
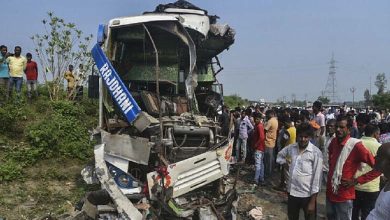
(382,205)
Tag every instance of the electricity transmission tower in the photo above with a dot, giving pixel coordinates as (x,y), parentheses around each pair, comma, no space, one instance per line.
(330,91)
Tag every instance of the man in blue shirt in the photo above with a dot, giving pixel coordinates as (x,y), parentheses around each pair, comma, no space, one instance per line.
(4,74)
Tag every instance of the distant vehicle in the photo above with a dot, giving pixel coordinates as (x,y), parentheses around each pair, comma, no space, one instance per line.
(262,101)
(161,152)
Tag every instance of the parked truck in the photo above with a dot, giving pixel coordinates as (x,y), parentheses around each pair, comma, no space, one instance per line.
(161,154)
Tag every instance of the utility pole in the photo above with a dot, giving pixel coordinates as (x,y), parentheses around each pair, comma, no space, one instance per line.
(323,93)
(293,98)
(370,86)
(353,89)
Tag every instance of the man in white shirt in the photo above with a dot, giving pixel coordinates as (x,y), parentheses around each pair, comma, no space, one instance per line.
(305,161)
(330,134)
(245,127)
(382,205)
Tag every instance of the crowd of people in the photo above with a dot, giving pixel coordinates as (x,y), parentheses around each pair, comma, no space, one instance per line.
(345,153)
(13,67)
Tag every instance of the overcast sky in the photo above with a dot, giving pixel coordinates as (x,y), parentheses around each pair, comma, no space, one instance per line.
(282,47)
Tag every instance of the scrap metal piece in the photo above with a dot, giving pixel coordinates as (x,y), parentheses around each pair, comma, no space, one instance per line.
(143,121)
(180,212)
(219,29)
(126,147)
(206,213)
(256,213)
(89,176)
(124,206)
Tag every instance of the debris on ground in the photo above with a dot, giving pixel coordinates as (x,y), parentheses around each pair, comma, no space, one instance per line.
(256,213)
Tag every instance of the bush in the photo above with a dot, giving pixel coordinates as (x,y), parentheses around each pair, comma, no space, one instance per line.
(10,170)
(10,116)
(68,108)
(43,91)
(24,156)
(57,129)
(60,135)
(91,107)
(42,106)
(7,120)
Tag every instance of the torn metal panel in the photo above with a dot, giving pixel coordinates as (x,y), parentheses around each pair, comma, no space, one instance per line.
(118,162)
(124,206)
(194,172)
(219,29)
(123,146)
(199,23)
(189,15)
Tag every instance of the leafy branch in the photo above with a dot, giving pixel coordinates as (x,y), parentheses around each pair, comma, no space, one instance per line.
(61,45)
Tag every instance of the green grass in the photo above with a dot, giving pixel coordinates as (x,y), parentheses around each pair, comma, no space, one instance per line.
(43,147)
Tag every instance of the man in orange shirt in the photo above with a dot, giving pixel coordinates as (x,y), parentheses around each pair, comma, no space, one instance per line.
(71,80)
(270,128)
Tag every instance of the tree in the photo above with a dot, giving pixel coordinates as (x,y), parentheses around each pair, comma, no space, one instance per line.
(381,101)
(323,99)
(367,97)
(62,44)
(235,100)
(381,82)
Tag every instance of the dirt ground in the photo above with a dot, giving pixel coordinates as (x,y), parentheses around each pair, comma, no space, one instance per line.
(273,203)
(50,187)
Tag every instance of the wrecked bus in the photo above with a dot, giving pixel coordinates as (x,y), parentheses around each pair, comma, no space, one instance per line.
(161,153)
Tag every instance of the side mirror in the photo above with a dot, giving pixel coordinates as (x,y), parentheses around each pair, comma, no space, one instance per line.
(101,34)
